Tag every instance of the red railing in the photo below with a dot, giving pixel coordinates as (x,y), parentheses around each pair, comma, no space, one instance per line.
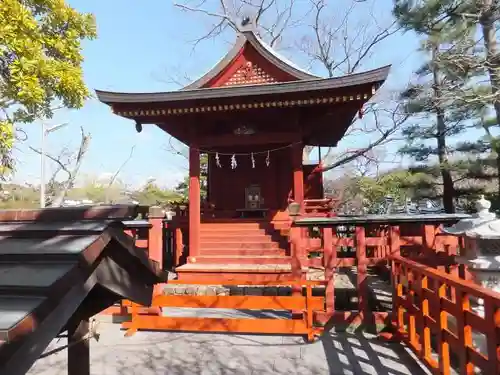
(371,242)
(433,315)
(432,304)
(307,305)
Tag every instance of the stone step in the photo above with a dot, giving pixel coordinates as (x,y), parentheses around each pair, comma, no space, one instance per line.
(242,252)
(227,231)
(246,237)
(243,245)
(237,225)
(221,290)
(243,259)
(262,225)
(220,272)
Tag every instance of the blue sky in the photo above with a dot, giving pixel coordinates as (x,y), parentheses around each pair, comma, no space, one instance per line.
(139,44)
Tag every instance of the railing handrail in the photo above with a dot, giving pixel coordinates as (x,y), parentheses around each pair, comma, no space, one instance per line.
(465,285)
(362,220)
(137,224)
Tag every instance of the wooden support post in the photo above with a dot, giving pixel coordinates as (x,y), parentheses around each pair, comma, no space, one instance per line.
(298,173)
(155,237)
(78,349)
(429,244)
(194,203)
(178,246)
(329,260)
(296,245)
(362,273)
(394,250)
(394,240)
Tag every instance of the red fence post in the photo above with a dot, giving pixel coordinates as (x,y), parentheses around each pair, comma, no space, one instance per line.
(360,241)
(329,258)
(155,237)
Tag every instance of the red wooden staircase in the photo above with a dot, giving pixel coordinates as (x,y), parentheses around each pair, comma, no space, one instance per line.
(247,250)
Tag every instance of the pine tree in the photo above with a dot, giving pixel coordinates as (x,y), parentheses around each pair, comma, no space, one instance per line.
(477,57)
(439,114)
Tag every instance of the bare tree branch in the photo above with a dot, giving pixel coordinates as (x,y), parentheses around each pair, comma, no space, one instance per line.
(118,171)
(63,162)
(337,40)
(386,134)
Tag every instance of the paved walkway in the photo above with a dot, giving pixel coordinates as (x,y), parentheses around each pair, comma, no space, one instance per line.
(148,353)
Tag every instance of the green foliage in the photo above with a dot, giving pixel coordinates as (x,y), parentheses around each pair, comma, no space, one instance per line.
(183,187)
(18,197)
(153,195)
(396,184)
(40,63)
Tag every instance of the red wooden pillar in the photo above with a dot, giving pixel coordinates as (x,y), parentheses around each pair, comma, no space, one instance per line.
(155,237)
(362,286)
(298,173)
(194,203)
(329,261)
(298,259)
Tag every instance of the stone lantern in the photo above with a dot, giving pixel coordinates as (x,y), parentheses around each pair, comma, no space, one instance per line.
(481,254)
(481,251)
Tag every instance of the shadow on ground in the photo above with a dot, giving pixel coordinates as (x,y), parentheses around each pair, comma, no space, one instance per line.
(148,353)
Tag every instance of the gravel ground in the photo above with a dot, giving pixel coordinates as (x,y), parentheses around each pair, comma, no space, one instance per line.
(148,353)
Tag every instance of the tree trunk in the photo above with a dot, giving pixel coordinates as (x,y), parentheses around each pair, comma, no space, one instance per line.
(487,21)
(448,188)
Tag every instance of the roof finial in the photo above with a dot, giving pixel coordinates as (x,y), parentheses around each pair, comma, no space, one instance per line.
(247,24)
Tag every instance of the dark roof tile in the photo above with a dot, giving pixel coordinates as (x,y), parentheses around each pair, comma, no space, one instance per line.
(13,309)
(117,212)
(32,274)
(57,244)
(55,226)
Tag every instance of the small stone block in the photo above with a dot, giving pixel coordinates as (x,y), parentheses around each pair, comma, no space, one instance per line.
(253,291)
(211,291)
(284,291)
(168,291)
(236,291)
(180,290)
(223,292)
(271,291)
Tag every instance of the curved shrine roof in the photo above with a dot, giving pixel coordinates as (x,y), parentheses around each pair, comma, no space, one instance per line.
(371,77)
(253,76)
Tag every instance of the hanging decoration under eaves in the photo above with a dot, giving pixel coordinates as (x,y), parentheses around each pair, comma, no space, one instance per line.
(231,159)
(234,161)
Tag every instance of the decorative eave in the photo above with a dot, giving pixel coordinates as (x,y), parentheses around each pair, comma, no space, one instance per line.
(264,50)
(244,105)
(374,78)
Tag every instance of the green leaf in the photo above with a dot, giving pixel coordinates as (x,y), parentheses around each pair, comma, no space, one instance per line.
(40,59)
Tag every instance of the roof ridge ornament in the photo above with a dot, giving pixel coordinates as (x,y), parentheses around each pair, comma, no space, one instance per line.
(247,24)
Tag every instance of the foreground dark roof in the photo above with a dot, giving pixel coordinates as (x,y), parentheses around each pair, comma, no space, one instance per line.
(59,266)
(372,77)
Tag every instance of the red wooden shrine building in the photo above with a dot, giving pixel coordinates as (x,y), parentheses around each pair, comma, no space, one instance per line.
(252,115)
